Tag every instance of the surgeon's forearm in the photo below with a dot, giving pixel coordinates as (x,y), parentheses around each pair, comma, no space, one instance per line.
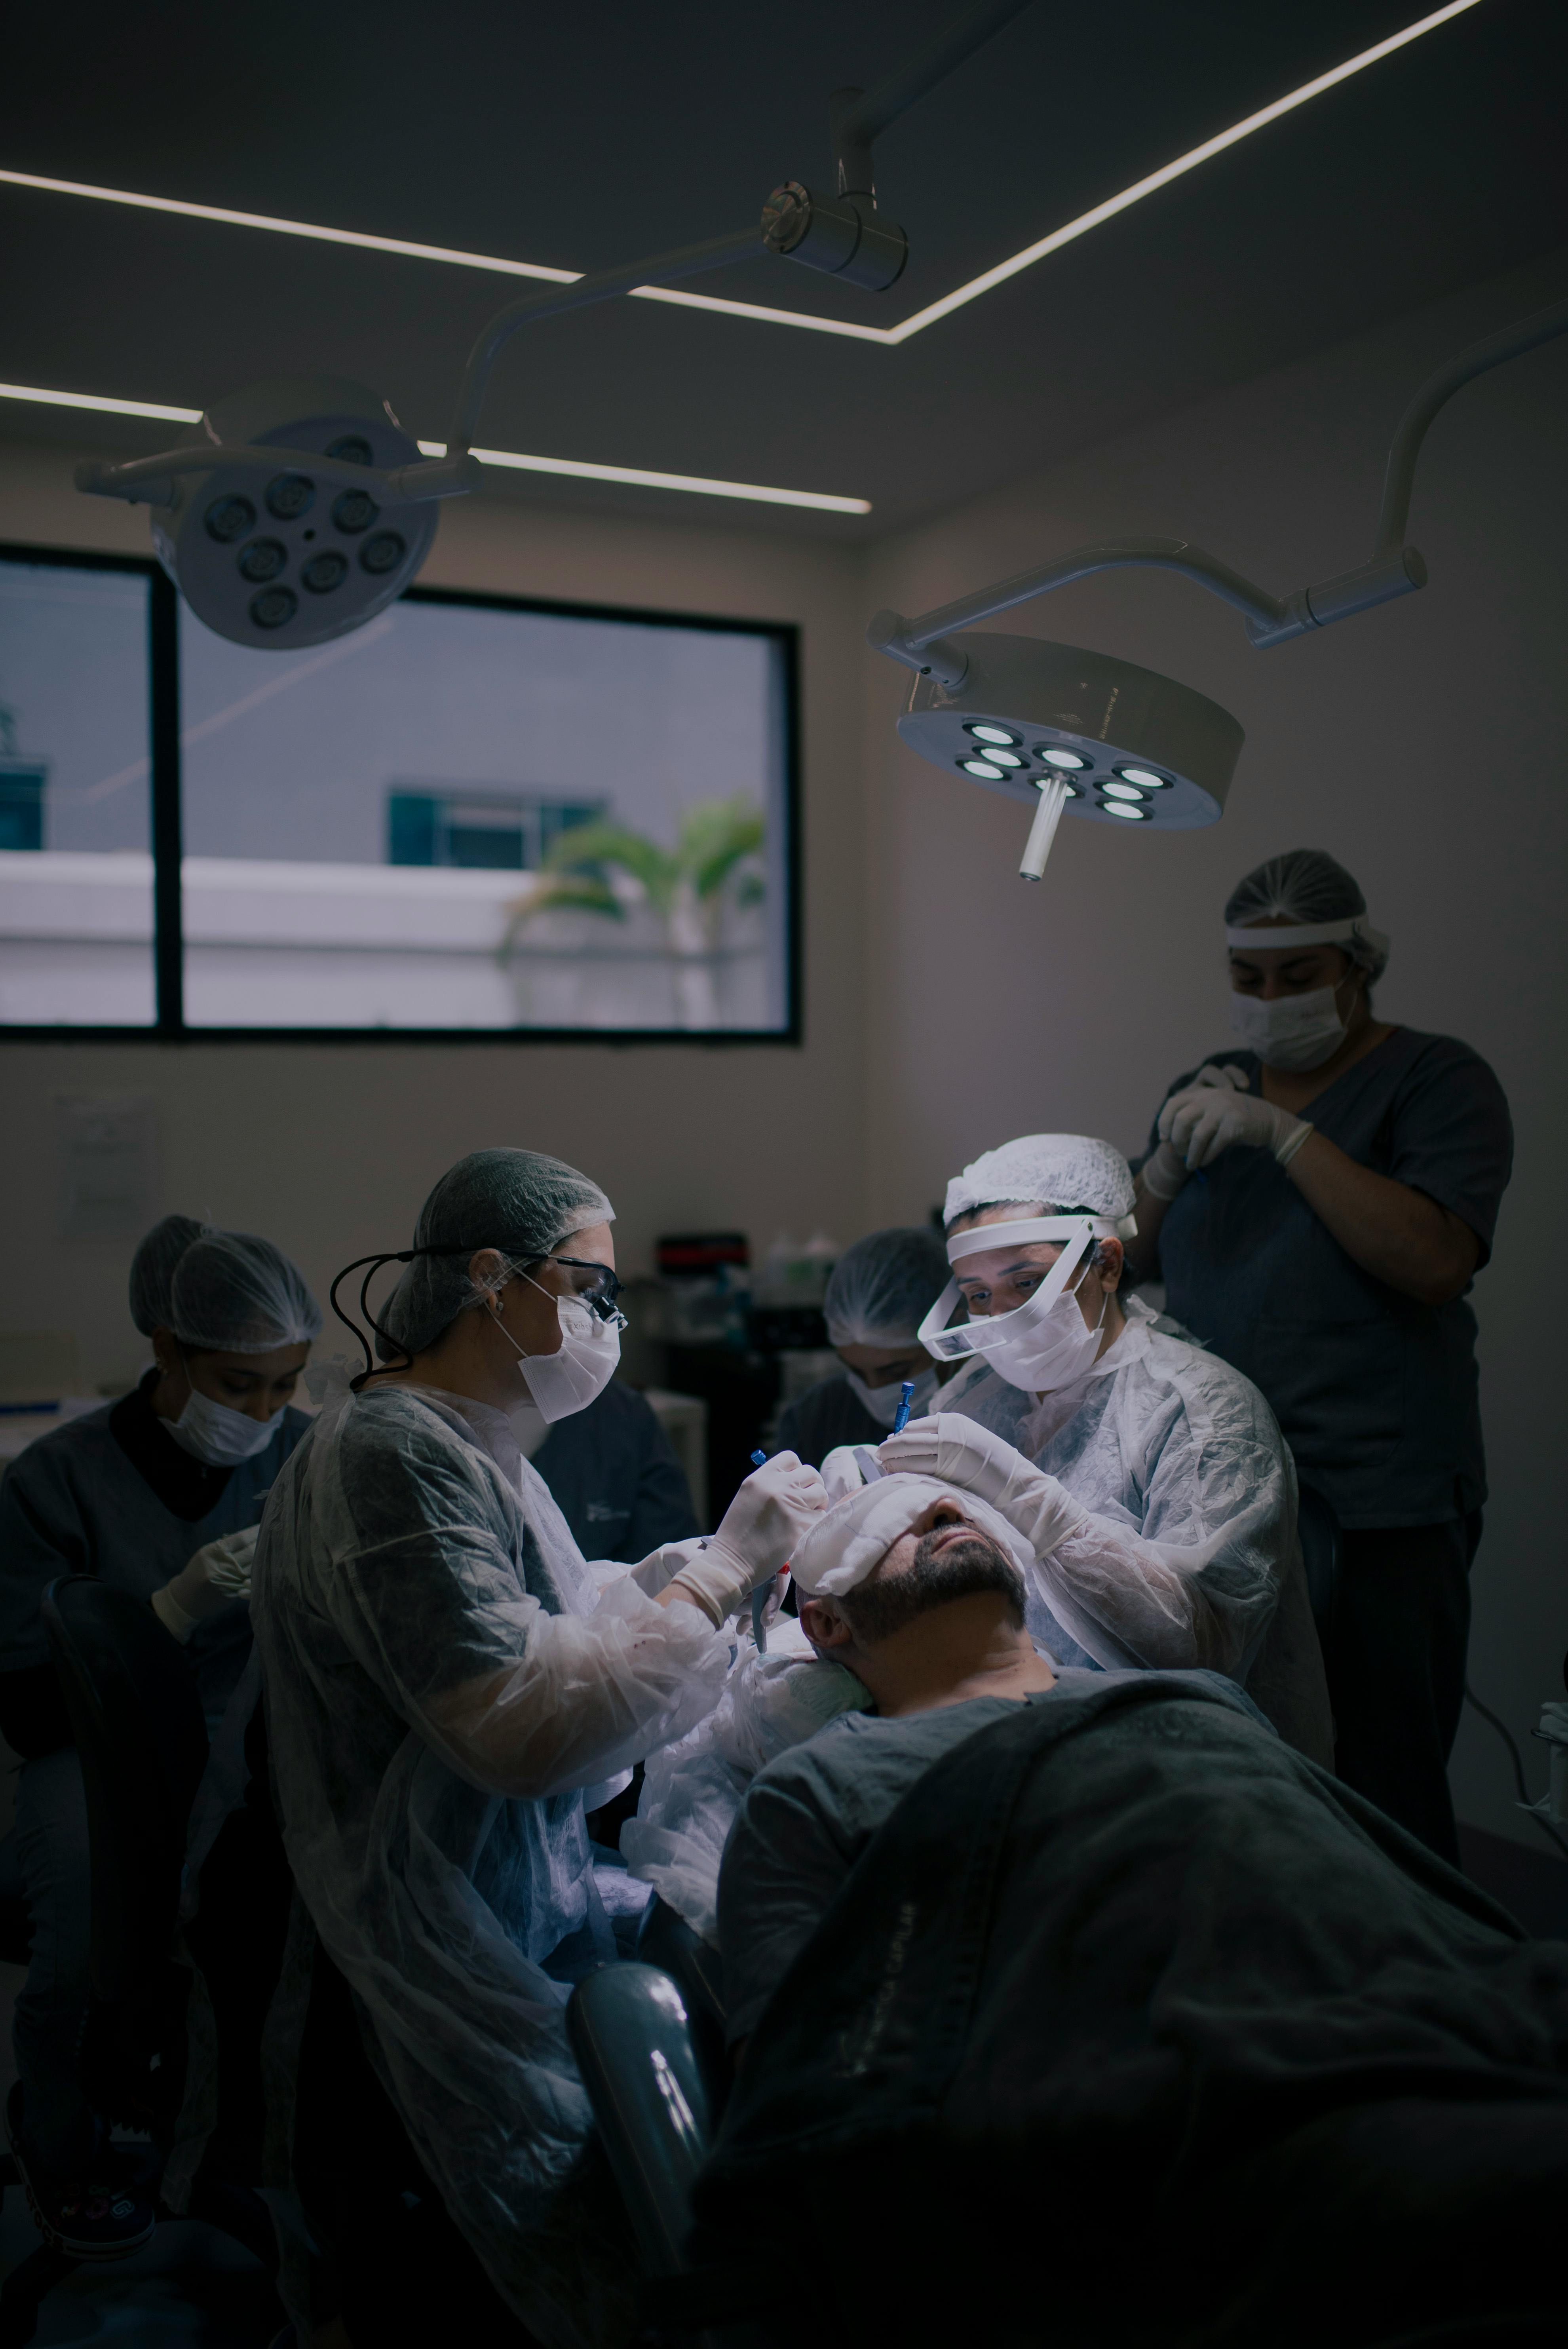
(591,1695)
(1391,1230)
(1133,1608)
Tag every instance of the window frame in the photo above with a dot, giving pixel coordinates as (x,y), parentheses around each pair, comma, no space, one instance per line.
(166,842)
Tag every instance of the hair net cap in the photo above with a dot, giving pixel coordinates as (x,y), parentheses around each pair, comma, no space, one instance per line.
(225,1292)
(881,1289)
(848,1542)
(1057,1169)
(518,1201)
(1308,887)
(152,1269)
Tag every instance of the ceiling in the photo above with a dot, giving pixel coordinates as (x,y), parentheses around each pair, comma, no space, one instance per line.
(581,138)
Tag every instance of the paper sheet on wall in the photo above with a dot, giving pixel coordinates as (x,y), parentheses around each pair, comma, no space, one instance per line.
(105,1149)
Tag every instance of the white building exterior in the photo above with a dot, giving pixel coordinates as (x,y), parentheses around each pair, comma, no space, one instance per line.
(294,944)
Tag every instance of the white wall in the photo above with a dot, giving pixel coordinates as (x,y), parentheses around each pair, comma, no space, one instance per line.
(949,1004)
(330,1149)
(1424,745)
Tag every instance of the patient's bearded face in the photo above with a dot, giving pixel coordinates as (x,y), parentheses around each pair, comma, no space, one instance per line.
(950,1560)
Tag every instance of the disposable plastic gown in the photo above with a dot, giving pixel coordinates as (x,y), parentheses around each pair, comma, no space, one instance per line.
(444,1676)
(692,1790)
(1190,1555)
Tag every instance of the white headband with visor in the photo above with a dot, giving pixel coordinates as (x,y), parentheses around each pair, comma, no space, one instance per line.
(997,1330)
(1309,934)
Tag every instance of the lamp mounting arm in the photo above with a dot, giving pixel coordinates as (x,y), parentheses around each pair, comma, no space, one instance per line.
(844,235)
(857,117)
(149,481)
(1394,570)
(603,285)
(1513,341)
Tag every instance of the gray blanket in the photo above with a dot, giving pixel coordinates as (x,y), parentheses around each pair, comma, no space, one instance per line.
(1132,2024)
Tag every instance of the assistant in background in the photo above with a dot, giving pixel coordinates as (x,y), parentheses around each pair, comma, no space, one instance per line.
(1317,1203)
(159,1495)
(878,1294)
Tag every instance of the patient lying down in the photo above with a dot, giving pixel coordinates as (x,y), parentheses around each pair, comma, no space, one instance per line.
(1081,2008)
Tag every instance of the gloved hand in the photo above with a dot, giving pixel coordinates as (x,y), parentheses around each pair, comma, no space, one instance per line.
(841,1472)
(959,1452)
(1207,1117)
(754,1537)
(1165,1171)
(219,1572)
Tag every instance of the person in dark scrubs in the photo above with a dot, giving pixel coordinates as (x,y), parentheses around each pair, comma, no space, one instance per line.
(1317,1206)
(159,1495)
(879,1293)
(616,1479)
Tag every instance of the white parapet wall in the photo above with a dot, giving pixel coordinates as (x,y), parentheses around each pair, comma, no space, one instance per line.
(295,945)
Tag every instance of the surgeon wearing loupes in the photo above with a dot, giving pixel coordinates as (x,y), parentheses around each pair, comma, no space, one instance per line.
(452,1686)
(1317,1199)
(1158,1496)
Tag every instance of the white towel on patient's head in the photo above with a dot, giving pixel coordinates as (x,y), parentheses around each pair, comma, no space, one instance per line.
(848,1540)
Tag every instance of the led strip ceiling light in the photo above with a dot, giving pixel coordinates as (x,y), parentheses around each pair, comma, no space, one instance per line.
(509,460)
(889,335)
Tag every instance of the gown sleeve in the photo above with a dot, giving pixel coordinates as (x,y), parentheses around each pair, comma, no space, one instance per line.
(428,1595)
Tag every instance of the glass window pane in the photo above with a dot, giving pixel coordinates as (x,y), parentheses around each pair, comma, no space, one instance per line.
(76,862)
(482,817)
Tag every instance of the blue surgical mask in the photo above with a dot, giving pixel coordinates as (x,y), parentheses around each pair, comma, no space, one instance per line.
(223,1437)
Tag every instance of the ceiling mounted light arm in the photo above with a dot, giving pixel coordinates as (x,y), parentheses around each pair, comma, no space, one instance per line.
(662,269)
(150,481)
(1394,570)
(1524,335)
(920,645)
(861,115)
(845,236)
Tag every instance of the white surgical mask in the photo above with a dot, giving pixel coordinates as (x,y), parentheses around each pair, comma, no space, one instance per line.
(1294,1032)
(581,1369)
(219,1435)
(1056,1352)
(883,1403)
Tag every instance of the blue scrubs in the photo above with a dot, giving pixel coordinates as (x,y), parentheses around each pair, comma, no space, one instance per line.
(614,1475)
(110,1493)
(1376,1393)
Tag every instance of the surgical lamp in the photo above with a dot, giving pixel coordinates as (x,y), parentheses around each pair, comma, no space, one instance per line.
(1088,735)
(296,510)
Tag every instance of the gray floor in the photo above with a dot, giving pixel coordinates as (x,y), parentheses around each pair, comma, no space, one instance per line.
(191,2288)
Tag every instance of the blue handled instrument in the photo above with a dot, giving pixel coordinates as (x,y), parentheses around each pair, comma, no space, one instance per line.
(760,1595)
(900,1416)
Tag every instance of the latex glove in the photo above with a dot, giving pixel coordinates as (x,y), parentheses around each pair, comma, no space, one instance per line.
(219,1571)
(1165,1171)
(1211,1115)
(754,1537)
(841,1472)
(959,1452)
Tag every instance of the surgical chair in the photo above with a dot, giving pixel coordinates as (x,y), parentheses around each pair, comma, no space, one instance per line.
(138,1726)
(648,2036)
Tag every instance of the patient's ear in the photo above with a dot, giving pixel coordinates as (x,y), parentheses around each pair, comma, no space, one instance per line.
(822,1623)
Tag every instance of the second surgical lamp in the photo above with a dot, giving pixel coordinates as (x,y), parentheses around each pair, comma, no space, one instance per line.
(1081,733)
